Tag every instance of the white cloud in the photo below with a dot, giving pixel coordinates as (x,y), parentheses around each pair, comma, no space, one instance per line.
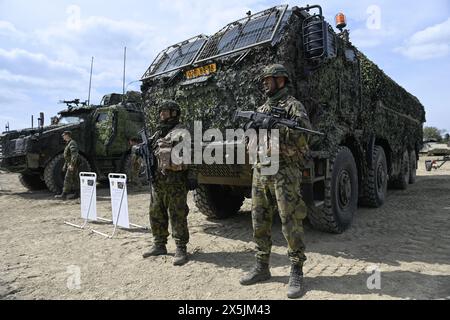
(23,61)
(8,30)
(432,42)
(366,38)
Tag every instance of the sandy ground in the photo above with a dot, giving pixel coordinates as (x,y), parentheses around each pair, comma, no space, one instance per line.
(408,240)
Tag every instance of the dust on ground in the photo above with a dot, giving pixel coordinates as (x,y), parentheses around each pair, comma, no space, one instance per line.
(407,242)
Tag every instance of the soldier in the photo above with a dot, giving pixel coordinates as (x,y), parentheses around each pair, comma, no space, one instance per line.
(71,165)
(169,191)
(135,165)
(281,190)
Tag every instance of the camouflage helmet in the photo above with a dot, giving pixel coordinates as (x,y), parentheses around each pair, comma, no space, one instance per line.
(169,105)
(275,70)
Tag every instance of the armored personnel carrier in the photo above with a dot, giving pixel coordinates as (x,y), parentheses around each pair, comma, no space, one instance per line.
(101,131)
(372,126)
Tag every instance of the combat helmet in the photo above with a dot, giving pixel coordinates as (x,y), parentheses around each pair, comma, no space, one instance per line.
(275,70)
(169,105)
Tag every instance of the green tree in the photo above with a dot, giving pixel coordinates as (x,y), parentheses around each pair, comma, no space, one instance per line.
(447,137)
(432,133)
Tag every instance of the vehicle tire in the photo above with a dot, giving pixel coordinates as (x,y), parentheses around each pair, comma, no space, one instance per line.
(375,188)
(54,176)
(142,172)
(32,182)
(412,167)
(217,202)
(341,195)
(402,180)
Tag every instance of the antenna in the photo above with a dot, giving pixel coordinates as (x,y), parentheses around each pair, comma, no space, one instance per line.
(90,83)
(124,68)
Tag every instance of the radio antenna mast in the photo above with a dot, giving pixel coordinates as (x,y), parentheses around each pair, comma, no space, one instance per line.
(90,83)
(124,69)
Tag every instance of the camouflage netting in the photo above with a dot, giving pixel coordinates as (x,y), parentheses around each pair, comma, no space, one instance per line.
(215,100)
(331,92)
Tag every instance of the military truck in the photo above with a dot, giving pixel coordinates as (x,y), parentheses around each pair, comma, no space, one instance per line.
(101,131)
(372,126)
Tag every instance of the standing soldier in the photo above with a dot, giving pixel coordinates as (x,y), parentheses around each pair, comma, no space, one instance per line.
(135,165)
(169,191)
(71,165)
(281,190)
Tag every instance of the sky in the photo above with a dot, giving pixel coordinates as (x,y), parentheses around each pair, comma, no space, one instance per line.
(46,46)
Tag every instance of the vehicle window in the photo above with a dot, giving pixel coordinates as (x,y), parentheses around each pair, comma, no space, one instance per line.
(102,117)
(70,120)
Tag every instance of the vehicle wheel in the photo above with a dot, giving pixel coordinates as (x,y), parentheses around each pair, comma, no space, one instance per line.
(217,202)
(54,176)
(375,188)
(402,180)
(341,195)
(142,171)
(412,167)
(32,182)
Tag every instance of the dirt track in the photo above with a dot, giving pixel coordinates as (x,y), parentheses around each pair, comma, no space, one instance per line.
(408,240)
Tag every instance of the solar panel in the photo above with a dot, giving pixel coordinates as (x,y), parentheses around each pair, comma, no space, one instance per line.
(176,57)
(239,35)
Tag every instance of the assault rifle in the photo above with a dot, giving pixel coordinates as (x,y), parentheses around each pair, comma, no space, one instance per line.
(145,151)
(277,116)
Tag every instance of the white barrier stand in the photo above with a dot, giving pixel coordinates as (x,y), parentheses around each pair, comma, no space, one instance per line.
(88,195)
(119,204)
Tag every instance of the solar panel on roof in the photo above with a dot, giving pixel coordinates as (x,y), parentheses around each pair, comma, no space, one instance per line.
(256,29)
(176,56)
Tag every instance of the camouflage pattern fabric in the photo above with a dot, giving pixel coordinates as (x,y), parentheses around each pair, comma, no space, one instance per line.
(169,200)
(71,158)
(136,164)
(293,144)
(282,191)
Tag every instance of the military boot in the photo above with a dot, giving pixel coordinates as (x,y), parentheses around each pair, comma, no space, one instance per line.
(181,257)
(61,196)
(296,286)
(259,273)
(156,250)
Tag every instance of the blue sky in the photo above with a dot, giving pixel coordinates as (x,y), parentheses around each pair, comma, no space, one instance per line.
(46,46)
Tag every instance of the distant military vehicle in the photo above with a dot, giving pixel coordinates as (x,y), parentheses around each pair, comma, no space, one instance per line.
(101,131)
(373,127)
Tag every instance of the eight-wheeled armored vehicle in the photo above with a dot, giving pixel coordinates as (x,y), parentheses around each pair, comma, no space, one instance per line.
(373,127)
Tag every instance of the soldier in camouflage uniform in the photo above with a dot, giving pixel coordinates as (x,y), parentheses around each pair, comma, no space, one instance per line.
(71,166)
(282,190)
(135,165)
(169,191)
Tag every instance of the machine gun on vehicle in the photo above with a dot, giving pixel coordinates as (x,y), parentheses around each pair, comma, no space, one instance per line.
(76,103)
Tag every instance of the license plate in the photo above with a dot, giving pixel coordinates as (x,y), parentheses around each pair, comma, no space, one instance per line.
(201,71)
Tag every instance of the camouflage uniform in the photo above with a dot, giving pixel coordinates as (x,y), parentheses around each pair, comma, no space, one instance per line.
(282,190)
(71,158)
(135,169)
(169,199)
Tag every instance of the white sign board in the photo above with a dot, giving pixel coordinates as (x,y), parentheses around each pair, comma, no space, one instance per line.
(88,194)
(119,200)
